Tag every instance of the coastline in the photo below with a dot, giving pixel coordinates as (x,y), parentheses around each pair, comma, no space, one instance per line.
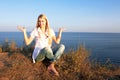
(100,45)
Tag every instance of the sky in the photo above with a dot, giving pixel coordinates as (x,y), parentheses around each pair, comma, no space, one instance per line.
(73,15)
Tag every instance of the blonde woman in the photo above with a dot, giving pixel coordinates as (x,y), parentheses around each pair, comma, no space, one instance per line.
(44,36)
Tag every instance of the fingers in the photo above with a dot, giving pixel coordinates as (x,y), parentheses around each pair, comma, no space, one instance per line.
(21,28)
(62,29)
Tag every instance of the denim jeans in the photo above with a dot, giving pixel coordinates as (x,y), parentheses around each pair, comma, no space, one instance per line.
(52,54)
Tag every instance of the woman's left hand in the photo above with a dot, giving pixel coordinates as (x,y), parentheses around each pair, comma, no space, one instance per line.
(62,29)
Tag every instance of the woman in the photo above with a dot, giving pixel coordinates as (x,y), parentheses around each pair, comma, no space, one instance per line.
(44,36)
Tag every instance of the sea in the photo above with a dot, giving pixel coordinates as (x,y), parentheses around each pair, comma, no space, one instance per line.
(101,46)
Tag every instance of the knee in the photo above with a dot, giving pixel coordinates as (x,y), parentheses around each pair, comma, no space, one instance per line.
(62,46)
(47,50)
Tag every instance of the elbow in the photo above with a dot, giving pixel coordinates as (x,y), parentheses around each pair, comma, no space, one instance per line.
(57,42)
(27,43)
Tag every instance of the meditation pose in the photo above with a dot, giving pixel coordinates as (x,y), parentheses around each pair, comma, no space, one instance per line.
(44,36)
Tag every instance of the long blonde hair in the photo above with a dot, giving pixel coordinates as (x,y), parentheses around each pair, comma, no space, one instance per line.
(47,27)
(47,23)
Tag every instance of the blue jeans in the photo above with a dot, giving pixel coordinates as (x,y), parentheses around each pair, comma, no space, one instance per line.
(52,54)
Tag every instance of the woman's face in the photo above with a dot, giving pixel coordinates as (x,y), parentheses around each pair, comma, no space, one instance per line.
(42,22)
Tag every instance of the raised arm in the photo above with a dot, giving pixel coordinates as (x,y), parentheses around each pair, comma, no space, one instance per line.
(27,39)
(58,38)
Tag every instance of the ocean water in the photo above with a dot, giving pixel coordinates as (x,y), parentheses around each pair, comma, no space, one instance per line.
(102,46)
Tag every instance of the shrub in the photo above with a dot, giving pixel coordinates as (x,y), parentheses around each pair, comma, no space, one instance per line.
(0,50)
(5,46)
(74,65)
(12,46)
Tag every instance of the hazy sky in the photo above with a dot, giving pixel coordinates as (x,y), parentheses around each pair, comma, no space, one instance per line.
(74,15)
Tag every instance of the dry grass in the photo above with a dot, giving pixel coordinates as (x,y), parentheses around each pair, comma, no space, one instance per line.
(74,65)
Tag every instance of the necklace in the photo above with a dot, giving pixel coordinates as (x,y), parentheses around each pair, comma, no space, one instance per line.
(43,32)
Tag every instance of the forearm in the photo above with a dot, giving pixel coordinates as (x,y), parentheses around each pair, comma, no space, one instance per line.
(26,38)
(59,37)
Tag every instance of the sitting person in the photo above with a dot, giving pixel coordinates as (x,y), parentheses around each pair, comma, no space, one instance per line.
(44,36)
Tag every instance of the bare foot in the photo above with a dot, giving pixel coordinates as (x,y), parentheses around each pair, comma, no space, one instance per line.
(52,70)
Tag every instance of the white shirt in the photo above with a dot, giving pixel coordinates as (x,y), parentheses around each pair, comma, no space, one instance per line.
(41,41)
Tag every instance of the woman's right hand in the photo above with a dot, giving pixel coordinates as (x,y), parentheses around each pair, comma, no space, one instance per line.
(21,28)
